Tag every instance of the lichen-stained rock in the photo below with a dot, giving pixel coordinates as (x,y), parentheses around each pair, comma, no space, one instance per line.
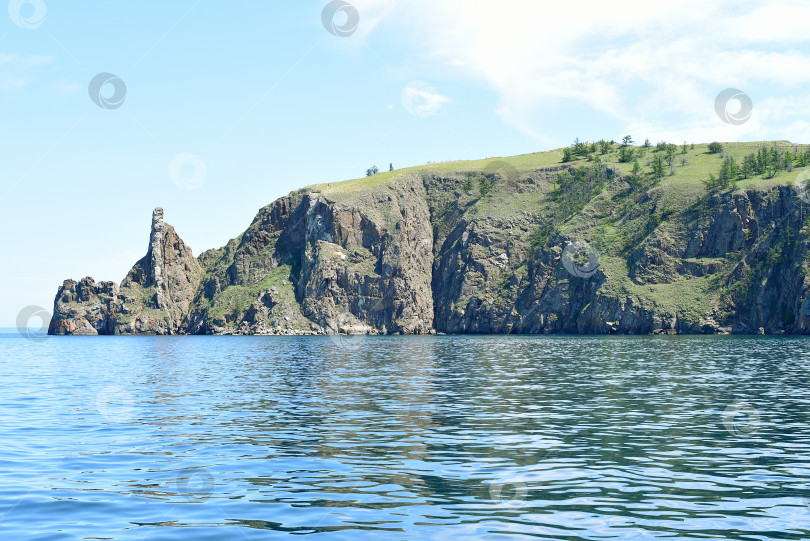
(84,308)
(154,298)
(478,250)
(367,262)
(358,263)
(157,293)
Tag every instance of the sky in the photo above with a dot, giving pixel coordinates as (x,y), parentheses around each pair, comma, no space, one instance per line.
(213,110)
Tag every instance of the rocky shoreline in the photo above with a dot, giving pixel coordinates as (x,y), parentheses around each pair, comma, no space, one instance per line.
(426,254)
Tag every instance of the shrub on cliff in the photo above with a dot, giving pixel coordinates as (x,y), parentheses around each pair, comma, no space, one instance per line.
(715,148)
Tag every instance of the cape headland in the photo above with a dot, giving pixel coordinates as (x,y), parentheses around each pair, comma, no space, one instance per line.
(597,238)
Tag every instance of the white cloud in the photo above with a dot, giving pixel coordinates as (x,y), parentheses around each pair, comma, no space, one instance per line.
(15,70)
(422,99)
(66,87)
(642,64)
(13,84)
(25,61)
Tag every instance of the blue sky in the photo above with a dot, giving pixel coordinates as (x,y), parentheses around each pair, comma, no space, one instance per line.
(260,99)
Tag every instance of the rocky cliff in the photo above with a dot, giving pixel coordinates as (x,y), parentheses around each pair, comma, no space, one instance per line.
(154,298)
(521,245)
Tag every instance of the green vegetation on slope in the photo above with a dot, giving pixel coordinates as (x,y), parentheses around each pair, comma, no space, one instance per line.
(614,196)
(691,165)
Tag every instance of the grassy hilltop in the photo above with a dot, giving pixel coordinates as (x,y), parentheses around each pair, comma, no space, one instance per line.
(614,217)
(700,164)
(600,237)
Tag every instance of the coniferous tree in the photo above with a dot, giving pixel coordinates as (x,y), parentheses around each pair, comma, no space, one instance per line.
(658,167)
(635,174)
(728,172)
(626,154)
(568,154)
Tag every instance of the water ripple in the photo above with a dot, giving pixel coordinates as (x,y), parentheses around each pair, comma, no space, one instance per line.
(567,438)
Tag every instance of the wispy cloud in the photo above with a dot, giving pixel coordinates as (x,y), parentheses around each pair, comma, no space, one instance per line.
(24,61)
(641,64)
(13,84)
(421,99)
(15,70)
(66,87)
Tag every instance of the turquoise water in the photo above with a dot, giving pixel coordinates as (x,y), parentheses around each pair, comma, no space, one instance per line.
(405,438)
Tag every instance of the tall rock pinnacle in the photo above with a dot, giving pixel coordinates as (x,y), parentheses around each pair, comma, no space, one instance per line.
(156,256)
(154,298)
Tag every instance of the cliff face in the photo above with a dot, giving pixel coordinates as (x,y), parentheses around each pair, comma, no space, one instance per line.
(315,264)
(477,249)
(85,308)
(154,298)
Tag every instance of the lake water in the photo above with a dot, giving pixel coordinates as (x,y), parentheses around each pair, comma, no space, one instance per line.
(391,438)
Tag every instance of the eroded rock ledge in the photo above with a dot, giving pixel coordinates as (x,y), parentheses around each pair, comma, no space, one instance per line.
(425,253)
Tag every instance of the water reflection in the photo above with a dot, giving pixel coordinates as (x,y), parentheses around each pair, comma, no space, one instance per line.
(407,437)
